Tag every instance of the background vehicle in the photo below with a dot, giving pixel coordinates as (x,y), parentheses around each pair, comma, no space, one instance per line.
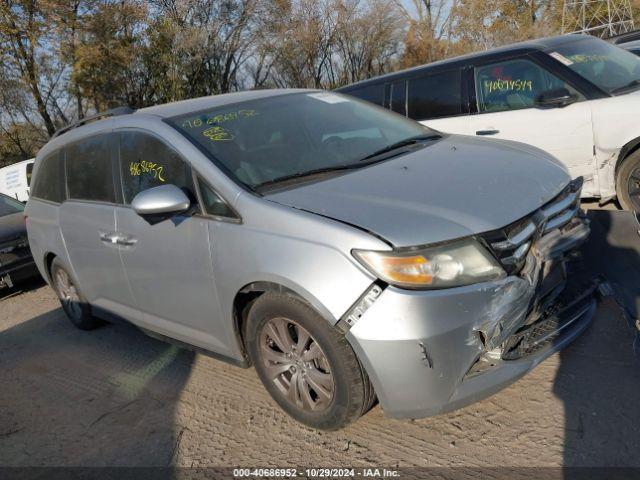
(321,239)
(633,47)
(16,262)
(575,97)
(15,180)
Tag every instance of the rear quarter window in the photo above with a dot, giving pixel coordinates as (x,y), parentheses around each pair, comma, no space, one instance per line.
(436,95)
(371,93)
(48,183)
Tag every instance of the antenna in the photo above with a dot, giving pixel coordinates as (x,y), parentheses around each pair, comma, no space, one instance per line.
(600,18)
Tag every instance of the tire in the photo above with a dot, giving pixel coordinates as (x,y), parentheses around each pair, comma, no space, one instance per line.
(331,388)
(628,182)
(72,301)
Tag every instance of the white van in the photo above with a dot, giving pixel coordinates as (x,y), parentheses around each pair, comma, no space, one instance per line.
(576,97)
(15,180)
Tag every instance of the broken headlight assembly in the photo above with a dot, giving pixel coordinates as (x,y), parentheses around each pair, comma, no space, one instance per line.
(446,265)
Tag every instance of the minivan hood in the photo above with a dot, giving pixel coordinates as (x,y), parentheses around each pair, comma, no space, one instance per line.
(455,187)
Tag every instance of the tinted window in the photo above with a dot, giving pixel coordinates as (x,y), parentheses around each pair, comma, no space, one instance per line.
(49,181)
(435,95)
(146,162)
(9,205)
(371,93)
(89,171)
(263,141)
(29,172)
(513,85)
(212,203)
(399,97)
(607,66)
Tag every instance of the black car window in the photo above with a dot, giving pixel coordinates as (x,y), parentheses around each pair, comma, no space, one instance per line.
(370,93)
(437,95)
(8,206)
(513,85)
(213,203)
(89,170)
(147,162)
(48,183)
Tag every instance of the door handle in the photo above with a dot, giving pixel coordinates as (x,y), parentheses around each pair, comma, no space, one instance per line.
(108,238)
(487,132)
(126,240)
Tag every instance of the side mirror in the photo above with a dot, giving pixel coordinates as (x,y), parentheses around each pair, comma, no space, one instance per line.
(556,98)
(162,201)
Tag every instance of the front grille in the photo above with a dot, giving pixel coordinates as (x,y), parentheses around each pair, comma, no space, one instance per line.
(567,310)
(511,244)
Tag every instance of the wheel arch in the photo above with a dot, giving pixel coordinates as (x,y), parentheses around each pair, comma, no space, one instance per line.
(48,262)
(628,149)
(247,295)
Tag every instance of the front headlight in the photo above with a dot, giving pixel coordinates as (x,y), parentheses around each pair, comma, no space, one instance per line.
(462,262)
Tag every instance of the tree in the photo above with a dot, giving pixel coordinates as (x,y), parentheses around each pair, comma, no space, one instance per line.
(27,56)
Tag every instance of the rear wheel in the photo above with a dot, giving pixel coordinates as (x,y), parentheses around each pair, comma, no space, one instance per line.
(73,303)
(306,365)
(628,182)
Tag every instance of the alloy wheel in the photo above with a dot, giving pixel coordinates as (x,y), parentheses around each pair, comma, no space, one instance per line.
(633,187)
(68,293)
(297,365)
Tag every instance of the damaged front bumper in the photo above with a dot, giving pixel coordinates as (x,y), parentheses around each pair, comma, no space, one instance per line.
(428,352)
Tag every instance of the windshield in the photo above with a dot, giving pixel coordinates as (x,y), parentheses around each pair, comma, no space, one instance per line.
(8,206)
(607,66)
(280,137)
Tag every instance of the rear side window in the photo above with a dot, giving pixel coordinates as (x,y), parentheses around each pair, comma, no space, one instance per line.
(49,182)
(435,96)
(146,162)
(89,170)
(371,93)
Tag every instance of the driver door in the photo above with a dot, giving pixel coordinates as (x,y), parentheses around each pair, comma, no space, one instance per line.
(506,93)
(168,264)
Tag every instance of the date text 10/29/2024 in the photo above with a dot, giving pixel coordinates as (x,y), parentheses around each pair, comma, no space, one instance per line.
(315,472)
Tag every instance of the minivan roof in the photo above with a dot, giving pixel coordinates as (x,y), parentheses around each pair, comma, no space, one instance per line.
(541,44)
(214,101)
(176,108)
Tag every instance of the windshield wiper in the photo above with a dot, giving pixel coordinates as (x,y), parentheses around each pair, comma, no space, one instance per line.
(350,166)
(631,84)
(402,143)
(310,173)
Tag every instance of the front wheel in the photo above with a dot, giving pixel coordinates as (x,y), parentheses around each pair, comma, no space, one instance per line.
(628,182)
(306,365)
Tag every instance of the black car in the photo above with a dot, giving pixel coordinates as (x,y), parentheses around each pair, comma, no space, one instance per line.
(16,262)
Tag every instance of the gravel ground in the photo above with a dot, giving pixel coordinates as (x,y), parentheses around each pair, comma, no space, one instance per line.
(117,397)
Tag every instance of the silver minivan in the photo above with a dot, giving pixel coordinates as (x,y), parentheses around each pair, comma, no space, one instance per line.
(348,253)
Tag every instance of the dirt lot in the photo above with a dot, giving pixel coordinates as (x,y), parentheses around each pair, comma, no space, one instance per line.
(117,397)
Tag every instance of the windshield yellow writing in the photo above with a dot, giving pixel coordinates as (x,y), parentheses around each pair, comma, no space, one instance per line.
(211,119)
(584,58)
(500,85)
(218,134)
(143,167)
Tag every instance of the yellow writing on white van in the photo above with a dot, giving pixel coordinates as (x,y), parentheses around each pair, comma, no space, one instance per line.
(518,85)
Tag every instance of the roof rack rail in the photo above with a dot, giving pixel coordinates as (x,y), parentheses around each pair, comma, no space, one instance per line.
(624,37)
(114,112)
